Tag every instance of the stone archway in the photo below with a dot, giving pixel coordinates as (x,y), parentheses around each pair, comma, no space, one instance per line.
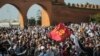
(20,17)
(58,11)
(44,17)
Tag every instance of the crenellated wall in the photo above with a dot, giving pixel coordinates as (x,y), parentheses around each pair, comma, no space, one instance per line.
(87,6)
(56,10)
(75,13)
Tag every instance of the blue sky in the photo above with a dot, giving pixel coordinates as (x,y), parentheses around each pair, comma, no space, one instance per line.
(84,1)
(34,8)
(10,12)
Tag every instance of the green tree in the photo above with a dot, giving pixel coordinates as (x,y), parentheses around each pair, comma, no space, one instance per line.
(31,21)
(96,18)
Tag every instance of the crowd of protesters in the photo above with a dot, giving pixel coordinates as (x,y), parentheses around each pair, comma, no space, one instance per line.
(34,41)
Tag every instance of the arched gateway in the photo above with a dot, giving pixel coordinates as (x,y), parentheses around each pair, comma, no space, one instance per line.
(24,5)
(40,15)
(54,11)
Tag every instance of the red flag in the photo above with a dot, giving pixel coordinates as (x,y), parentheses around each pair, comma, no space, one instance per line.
(60,33)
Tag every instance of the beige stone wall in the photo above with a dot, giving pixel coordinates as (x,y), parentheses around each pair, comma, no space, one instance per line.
(45,18)
(21,21)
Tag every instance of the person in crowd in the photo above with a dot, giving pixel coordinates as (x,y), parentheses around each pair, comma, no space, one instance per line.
(34,41)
